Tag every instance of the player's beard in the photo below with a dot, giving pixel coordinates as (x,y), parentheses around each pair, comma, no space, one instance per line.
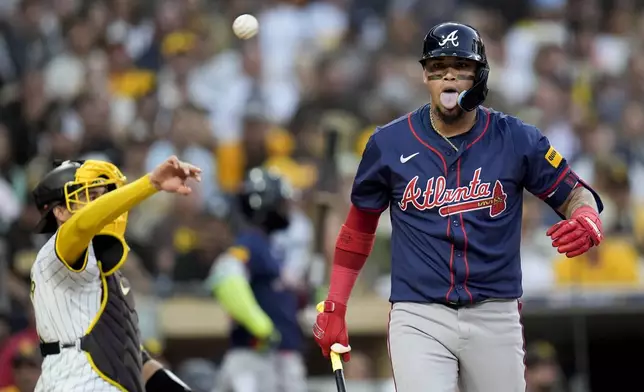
(449,116)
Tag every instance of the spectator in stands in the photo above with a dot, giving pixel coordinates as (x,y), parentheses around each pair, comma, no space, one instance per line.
(5,327)
(92,113)
(213,234)
(179,51)
(176,236)
(25,45)
(15,345)
(614,265)
(12,184)
(65,74)
(239,115)
(189,138)
(126,80)
(26,111)
(543,373)
(21,249)
(617,261)
(25,368)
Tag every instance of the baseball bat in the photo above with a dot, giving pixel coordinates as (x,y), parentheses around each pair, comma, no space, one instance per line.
(326,186)
(336,362)
(323,199)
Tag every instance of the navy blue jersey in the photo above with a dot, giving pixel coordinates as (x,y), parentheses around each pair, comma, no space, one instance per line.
(264,261)
(456,215)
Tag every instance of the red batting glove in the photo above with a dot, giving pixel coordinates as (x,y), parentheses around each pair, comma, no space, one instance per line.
(576,235)
(330,330)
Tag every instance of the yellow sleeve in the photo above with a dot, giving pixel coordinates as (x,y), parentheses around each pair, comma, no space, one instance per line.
(231,288)
(74,236)
(230,165)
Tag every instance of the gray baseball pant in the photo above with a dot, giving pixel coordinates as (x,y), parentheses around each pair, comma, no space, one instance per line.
(478,348)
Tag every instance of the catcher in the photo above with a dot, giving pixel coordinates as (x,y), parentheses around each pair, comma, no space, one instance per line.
(85,314)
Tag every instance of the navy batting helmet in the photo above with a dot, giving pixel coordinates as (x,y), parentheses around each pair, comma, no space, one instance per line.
(264,199)
(463,41)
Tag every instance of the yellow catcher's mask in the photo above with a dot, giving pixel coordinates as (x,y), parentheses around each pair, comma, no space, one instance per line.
(91,176)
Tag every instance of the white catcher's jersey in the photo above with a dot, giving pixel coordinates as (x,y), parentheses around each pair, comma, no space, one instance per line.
(65,304)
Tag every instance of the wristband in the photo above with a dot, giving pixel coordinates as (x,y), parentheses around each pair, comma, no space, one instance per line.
(353,241)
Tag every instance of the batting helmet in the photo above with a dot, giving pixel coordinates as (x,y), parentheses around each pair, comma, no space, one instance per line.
(463,41)
(50,192)
(263,199)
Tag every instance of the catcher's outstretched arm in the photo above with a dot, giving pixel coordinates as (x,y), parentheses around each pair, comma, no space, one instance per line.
(230,287)
(75,235)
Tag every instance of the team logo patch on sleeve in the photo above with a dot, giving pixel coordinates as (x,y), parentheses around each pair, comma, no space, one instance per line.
(553,157)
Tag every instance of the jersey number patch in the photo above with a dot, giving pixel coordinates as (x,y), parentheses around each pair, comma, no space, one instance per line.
(553,157)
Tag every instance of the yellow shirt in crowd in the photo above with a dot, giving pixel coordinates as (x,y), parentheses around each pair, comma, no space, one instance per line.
(615,262)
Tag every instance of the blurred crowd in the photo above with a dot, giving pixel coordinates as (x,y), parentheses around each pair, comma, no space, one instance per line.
(134,81)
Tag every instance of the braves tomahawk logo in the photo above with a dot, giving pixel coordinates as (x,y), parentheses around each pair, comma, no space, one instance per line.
(476,196)
(452,38)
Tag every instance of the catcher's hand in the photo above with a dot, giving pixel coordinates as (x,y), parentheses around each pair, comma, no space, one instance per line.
(172,174)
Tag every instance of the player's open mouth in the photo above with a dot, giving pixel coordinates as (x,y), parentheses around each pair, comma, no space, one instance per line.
(449,98)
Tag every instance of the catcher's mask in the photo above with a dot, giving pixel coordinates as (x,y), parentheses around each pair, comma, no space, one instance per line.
(88,177)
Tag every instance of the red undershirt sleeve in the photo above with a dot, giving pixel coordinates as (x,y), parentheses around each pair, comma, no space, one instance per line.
(353,246)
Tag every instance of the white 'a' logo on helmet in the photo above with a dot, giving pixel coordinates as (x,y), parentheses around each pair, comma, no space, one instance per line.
(451,38)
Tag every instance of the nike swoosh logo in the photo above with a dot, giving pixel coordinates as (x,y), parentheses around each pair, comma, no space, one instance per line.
(404,159)
(124,289)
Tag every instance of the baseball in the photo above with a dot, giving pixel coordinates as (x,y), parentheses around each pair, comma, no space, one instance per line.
(245,26)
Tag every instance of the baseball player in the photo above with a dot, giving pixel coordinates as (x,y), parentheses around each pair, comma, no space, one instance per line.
(85,314)
(453,174)
(247,280)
